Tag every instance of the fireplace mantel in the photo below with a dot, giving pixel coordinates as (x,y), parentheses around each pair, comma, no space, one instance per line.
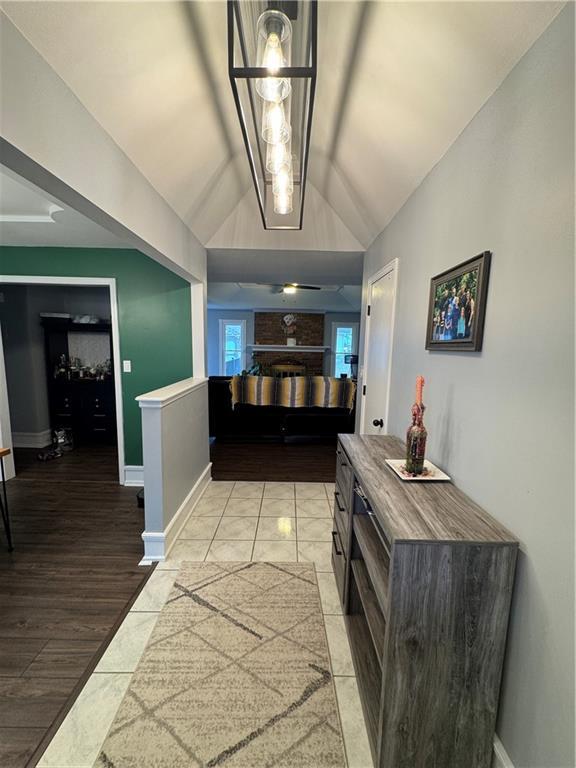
(285,348)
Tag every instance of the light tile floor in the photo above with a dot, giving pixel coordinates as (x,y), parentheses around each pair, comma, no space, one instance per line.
(240,521)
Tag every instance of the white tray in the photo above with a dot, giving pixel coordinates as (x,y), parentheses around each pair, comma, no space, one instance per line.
(431,471)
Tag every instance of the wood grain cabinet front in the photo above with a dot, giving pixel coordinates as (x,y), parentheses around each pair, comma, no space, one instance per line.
(341,510)
(343,474)
(339,559)
(425,578)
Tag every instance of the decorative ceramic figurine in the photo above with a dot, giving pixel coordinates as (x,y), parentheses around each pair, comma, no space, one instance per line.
(289,324)
(289,328)
(416,435)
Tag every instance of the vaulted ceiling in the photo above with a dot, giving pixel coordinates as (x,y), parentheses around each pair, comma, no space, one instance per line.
(397,83)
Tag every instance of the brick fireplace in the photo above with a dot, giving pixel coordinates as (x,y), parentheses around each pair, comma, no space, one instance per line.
(270,330)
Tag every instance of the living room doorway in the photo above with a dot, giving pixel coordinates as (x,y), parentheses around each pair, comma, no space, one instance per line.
(282,364)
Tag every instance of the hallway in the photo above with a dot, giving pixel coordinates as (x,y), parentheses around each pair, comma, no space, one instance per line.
(283,259)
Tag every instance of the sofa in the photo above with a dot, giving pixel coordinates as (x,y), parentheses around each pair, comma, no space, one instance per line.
(272,423)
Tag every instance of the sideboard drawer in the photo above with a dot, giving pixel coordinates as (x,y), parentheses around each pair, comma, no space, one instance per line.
(342,509)
(339,560)
(344,473)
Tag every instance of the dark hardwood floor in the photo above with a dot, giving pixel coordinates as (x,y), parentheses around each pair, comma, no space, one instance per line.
(298,462)
(73,574)
(94,463)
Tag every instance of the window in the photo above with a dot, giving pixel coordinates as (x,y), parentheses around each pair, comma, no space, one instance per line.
(344,342)
(232,347)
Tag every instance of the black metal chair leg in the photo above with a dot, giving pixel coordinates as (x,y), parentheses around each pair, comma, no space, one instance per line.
(4,509)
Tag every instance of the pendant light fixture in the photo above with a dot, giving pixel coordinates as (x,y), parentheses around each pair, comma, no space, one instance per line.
(272,68)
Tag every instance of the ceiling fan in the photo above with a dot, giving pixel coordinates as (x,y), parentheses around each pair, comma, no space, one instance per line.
(293,287)
(290,287)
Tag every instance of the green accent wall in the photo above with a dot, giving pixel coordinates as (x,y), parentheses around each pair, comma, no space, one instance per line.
(154,312)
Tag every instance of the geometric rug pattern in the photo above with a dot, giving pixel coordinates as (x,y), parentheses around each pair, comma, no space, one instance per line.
(236,674)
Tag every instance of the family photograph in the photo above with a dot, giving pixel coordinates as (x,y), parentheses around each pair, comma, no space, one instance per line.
(454,307)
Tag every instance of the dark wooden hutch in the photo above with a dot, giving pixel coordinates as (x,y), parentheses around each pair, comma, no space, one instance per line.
(79,399)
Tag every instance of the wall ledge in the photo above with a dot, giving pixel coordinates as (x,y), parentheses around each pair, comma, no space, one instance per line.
(285,348)
(160,398)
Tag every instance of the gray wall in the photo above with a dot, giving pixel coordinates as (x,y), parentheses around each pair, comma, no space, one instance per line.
(24,343)
(501,421)
(335,317)
(213,335)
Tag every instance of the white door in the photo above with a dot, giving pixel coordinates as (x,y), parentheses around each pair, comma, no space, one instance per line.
(378,351)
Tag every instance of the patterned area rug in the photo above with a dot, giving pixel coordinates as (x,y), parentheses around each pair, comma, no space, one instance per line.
(236,674)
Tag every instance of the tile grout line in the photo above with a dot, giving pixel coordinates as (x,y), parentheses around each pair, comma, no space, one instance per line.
(133,611)
(108,672)
(296,527)
(218,526)
(257,524)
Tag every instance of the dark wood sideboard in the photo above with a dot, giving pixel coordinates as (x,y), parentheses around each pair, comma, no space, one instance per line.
(425,577)
(87,406)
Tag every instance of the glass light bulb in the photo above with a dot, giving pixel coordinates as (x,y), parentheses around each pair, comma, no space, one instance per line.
(273,58)
(283,203)
(289,289)
(278,156)
(275,127)
(282,182)
(274,52)
(273,88)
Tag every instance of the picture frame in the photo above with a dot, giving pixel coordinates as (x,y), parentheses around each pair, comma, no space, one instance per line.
(457,306)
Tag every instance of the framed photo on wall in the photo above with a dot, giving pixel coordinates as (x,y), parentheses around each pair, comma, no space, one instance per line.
(457,306)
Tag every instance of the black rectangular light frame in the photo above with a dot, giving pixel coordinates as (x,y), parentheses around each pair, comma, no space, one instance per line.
(247,72)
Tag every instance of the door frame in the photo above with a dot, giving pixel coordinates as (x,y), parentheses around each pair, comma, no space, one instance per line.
(355,336)
(222,323)
(102,282)
(392,266)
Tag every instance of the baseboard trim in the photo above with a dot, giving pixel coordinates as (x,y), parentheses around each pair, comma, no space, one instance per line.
(157,544)
(133,474)
(32,439)
(501,759)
